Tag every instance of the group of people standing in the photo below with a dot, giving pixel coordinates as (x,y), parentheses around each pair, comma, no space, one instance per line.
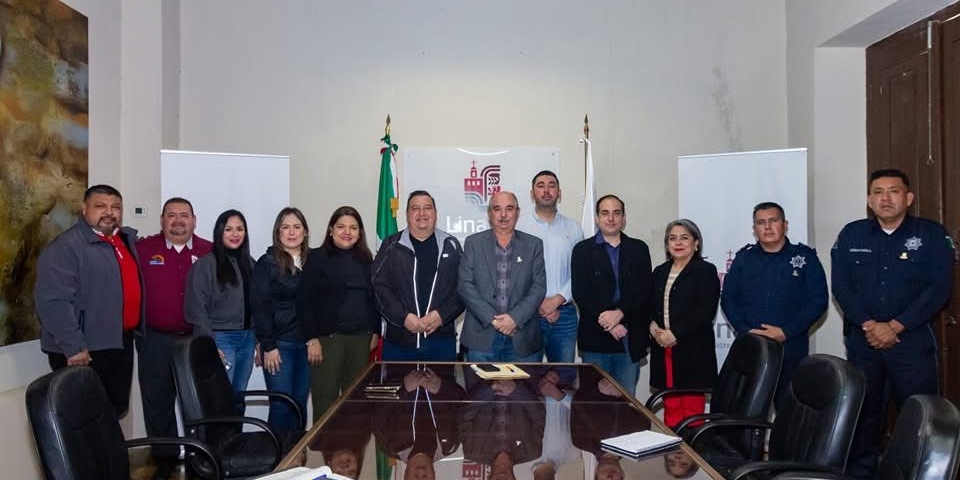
(311,317)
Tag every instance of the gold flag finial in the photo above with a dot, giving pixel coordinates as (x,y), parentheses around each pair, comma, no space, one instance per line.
(586,127)
(386,128)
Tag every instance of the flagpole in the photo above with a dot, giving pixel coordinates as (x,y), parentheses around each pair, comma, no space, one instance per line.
(588,218)
(586,134)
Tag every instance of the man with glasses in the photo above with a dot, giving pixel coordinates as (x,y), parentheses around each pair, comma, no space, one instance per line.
(776,289)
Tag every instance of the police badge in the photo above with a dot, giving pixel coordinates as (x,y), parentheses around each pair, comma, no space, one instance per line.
(913,243)
(798,262)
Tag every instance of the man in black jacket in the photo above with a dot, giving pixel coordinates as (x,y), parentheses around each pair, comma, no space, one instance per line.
(611,279)
(415,284)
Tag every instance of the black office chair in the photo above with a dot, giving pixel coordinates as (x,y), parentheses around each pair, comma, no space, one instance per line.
(743,390)
(813,428)
(925,444)
(77,433)
(210,414)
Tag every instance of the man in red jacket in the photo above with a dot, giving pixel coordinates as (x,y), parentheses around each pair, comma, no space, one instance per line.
(165,259)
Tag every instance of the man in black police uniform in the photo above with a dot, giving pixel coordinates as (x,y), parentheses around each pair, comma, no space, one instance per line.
(776,289)
(891,275)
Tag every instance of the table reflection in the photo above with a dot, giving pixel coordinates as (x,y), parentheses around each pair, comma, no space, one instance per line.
(428,421)
(420,428)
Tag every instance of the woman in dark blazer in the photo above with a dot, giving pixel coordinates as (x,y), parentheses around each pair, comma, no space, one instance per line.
(336,310)
(686,290)
(273,295)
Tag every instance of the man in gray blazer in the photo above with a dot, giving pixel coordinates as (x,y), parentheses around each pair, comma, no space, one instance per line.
(502,282)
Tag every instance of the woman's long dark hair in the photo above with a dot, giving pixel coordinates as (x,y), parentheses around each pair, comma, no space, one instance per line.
(360,249)
(279,254)
(225,272)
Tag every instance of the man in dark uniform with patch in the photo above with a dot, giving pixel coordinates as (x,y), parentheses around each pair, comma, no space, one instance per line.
(776,289)
(891,276)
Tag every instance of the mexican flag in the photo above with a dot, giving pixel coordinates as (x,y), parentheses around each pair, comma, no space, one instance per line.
(387,201)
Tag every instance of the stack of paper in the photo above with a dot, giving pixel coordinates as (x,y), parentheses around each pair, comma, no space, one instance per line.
(499,371)
(303,473)
(638,444)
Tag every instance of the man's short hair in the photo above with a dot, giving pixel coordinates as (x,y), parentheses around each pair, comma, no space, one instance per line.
(419,193)
(176,200)
(888,173)
(533,183)
(102,189)
(767,206)
(513,195)
(623,207)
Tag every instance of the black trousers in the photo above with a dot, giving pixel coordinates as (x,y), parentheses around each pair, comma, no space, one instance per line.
(115,369)
(157,389)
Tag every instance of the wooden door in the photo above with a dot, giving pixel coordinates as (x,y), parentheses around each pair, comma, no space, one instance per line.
(899,115)
(949,328)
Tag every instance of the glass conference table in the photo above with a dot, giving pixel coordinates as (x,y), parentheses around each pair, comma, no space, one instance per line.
(444,422)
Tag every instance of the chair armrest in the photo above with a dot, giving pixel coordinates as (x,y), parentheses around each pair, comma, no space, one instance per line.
(807,475)
(739,422)
(778,466)
(703,416)
(673,391)
(281,396)
(191,425)
(186,442)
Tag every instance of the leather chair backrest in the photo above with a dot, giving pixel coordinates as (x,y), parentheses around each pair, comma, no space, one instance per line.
(748,377)
(925,442)
(746,385)
(203,387)
(819,412)
(75,428)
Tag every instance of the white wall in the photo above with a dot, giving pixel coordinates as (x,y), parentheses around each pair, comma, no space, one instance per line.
(315,80)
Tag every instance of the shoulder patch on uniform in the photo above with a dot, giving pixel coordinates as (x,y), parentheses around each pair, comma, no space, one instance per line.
(804,246)
(950,244)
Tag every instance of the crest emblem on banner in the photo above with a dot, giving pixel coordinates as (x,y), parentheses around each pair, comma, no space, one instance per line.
(480,186)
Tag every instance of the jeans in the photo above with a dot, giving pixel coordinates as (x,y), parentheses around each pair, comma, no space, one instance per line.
(435,349)
(237,347)
(619,365)
(560,337)
(502,351)
(293,378)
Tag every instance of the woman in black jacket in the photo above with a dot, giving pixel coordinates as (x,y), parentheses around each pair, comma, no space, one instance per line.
(336,309)
(686,290)
(273,292)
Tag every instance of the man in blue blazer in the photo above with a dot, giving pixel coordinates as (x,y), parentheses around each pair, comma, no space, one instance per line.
(502,282)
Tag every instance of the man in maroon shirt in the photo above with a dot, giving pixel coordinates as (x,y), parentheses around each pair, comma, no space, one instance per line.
(165,259)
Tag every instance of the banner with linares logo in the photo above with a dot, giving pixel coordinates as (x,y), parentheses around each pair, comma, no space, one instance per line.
(718,192)
(462,181)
